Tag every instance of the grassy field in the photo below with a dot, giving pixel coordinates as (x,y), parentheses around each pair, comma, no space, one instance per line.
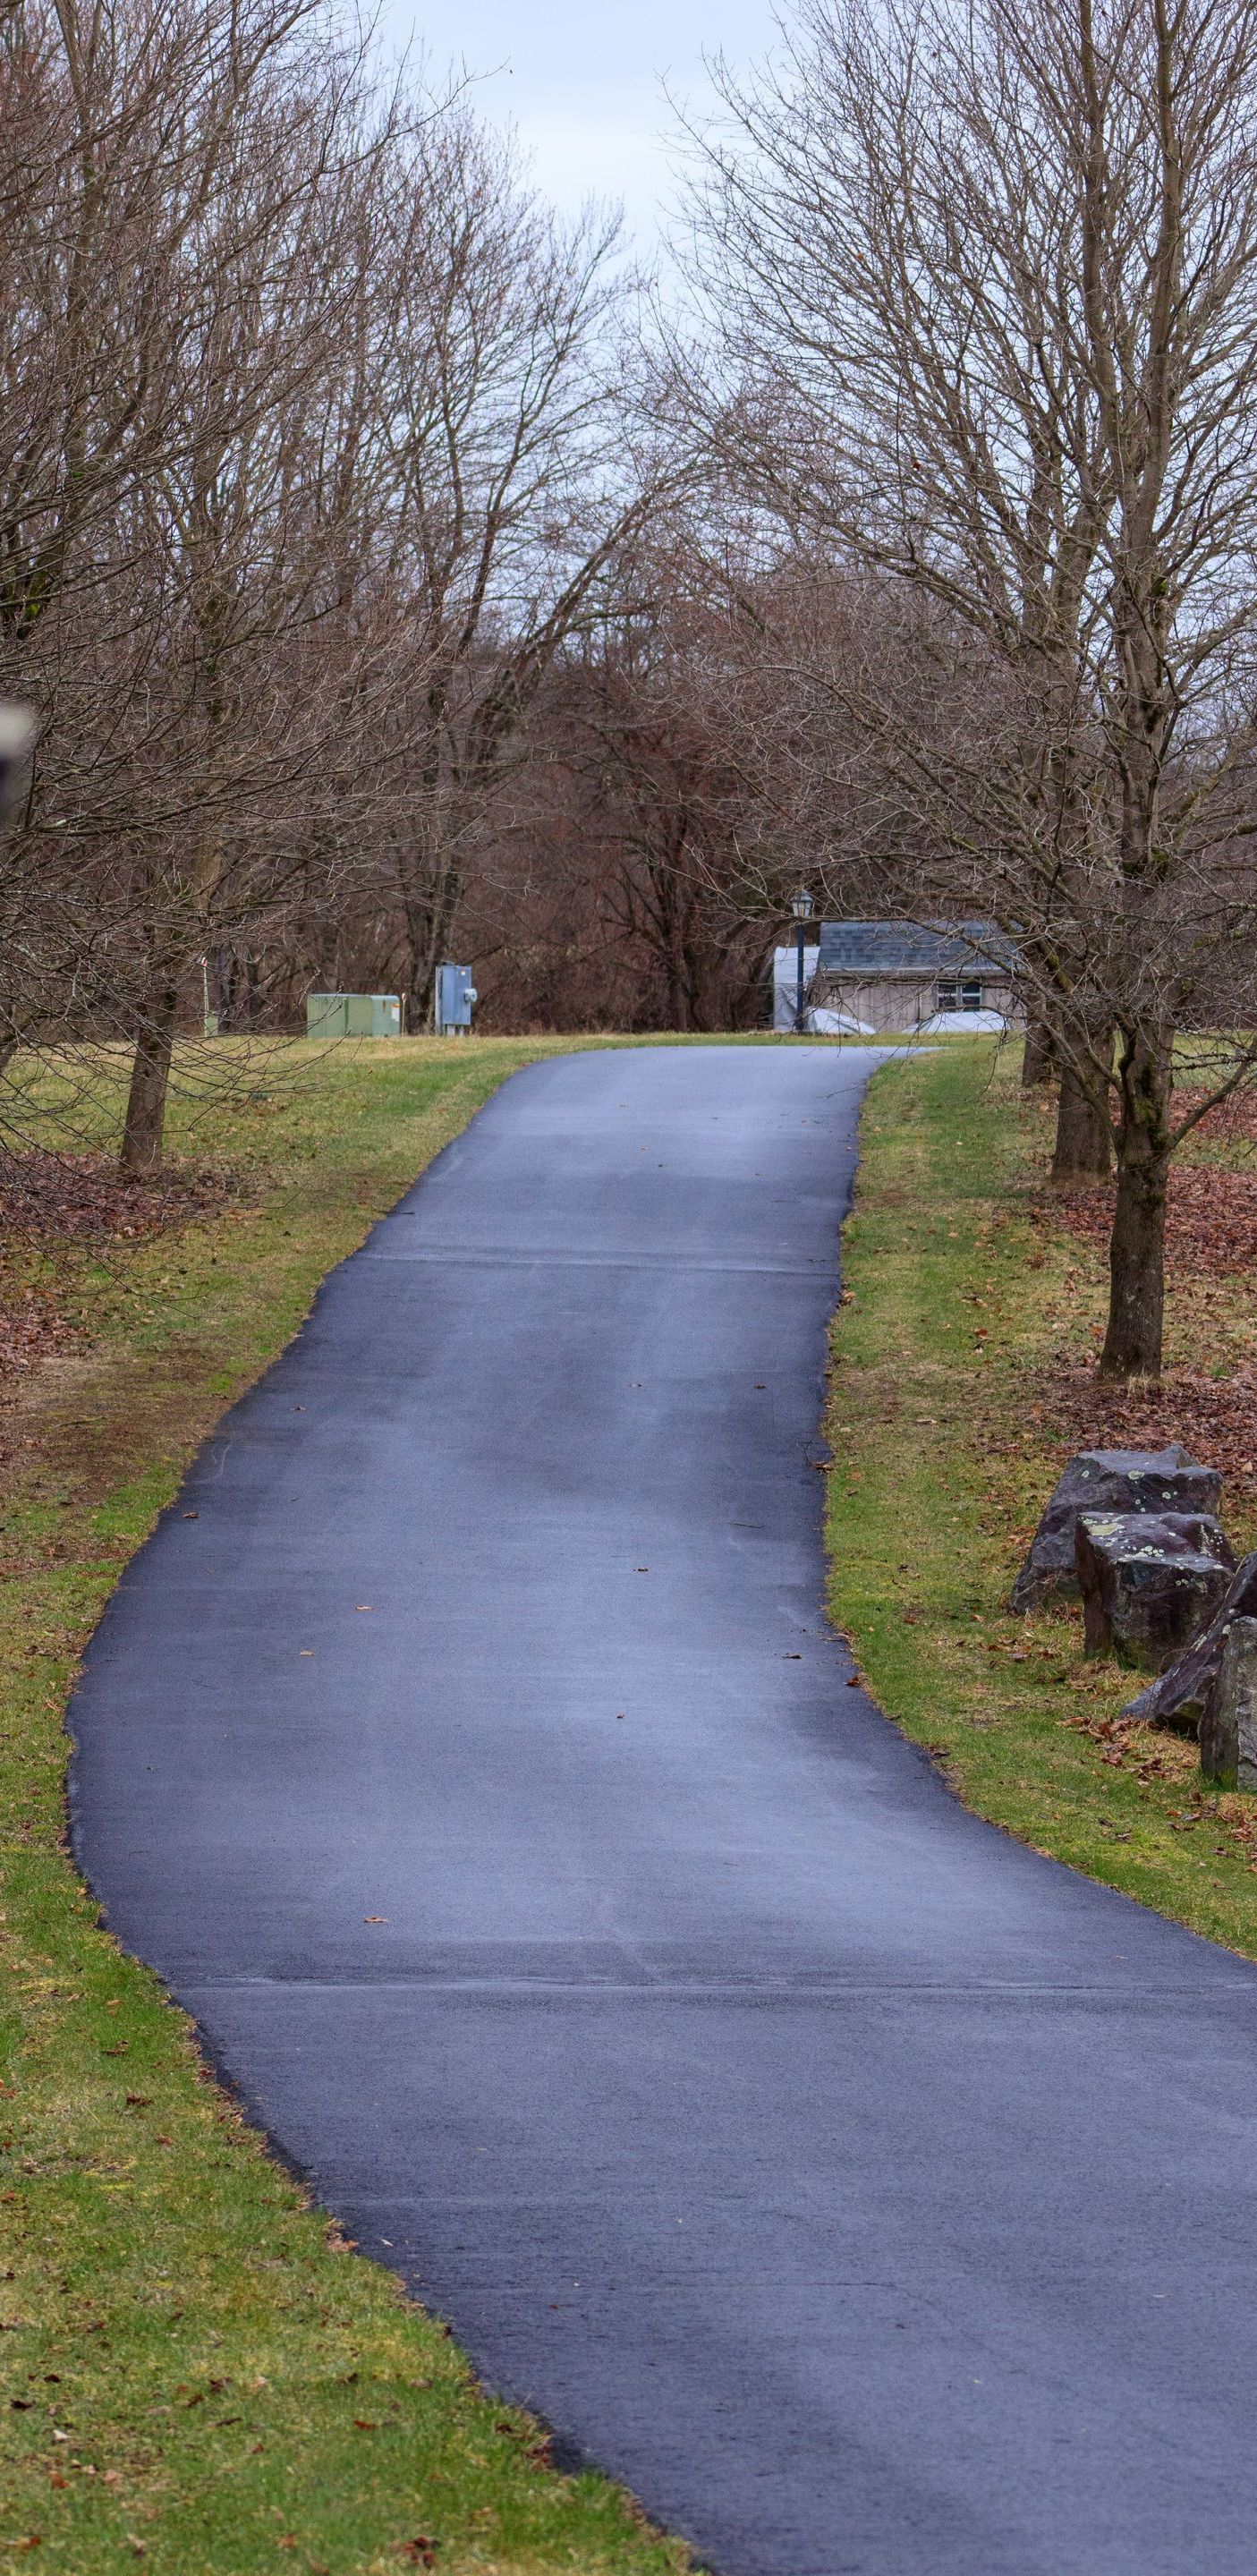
(967,1311)
(198,2374)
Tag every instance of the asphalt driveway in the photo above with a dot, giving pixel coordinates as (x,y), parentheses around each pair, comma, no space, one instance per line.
(866,2191)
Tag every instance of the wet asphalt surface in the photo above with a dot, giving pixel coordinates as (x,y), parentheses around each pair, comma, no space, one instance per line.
(867,2192)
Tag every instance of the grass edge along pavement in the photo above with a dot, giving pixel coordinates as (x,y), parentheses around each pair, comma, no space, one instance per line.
(953,1307)
(199,2375)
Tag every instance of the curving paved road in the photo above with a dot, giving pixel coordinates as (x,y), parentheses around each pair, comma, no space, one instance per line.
(866,2191)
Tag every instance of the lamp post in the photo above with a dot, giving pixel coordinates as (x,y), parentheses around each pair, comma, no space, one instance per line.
(801,905)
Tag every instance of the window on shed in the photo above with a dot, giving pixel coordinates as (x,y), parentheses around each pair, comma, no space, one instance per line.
(961,993)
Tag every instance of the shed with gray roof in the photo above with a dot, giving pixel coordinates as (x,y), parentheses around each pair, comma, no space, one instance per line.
(902,975)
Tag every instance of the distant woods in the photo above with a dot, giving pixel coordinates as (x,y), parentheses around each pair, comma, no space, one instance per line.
(330,563)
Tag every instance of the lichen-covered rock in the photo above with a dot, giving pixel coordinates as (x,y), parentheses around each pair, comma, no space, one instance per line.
(1149,1580)
(1179,1696)
(1109,1480)
(1228,1725)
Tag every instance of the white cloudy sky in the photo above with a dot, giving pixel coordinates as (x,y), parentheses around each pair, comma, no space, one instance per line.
(581,79)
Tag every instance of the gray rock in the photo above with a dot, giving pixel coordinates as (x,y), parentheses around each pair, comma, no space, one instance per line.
(1109,1480)
(1179,1697)
(1149,1580)
(1228,1727)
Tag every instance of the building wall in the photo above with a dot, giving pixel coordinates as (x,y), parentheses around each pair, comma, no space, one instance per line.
(901,1002)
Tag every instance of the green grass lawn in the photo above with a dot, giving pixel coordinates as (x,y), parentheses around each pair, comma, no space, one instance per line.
(197,2373)
(957,1308)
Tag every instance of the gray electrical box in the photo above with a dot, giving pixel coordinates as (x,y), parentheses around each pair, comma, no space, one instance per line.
(353,1015)
(455,996)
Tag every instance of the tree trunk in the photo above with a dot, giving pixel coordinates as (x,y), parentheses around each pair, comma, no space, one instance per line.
(236,990)
(420,983)
(1039,1058)
(430,901)
(150,1075)
(1132,1345)
(1083,1150)
(1082,1138)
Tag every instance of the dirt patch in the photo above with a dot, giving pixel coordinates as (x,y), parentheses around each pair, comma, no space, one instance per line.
(1209,1406)
(83,1198)
(1211,1219)
(34,1327)
(55,1209)
(1214,1418)
(1233,1121)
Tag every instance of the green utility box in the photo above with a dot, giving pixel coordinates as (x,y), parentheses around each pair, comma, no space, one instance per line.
(353,1015)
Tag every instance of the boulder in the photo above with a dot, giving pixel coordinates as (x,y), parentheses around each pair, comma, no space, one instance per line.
(1179,1697)
(1228,1726)
(1109,1480)
(1149,1580)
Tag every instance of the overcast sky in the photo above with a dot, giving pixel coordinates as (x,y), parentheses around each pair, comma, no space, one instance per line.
(581,79)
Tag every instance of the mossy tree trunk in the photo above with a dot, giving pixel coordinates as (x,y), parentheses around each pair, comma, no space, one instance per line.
(1132,1345)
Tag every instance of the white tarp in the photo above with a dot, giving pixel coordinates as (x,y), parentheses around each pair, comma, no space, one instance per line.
(836,1024)
(964,1024)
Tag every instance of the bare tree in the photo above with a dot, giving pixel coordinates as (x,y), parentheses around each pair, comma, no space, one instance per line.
(667,739)
(512,481)
(239,529)
(986,282)
(190,601)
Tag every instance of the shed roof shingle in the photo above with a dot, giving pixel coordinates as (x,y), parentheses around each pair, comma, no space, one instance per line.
(908,948)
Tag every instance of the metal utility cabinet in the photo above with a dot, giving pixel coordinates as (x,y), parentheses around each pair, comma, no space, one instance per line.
(353,1015)
(455,996)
